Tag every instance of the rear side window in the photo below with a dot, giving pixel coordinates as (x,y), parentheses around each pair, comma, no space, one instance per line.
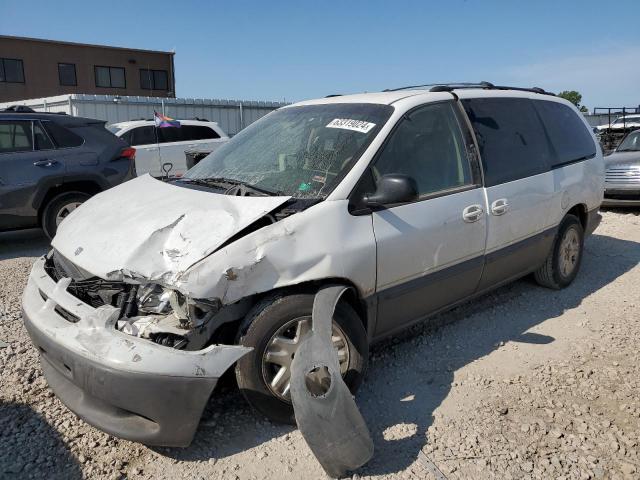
(40,139)
(568,134)
(62,136)
(198,132)
(141,135)
(171,134)
(511,137)
(15,136)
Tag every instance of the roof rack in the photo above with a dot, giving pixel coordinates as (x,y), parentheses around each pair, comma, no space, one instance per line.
(448,87)
(443,87)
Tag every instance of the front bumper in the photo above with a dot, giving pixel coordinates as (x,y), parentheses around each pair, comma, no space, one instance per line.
(621,195)
(126,386)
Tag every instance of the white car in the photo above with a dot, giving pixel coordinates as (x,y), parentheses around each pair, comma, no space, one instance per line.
(156,147)
(621,123)
(414,200)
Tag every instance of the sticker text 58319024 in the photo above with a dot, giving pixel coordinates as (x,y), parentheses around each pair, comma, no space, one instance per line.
(349,124)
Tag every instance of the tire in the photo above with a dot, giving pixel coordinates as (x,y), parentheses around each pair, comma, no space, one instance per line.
(268,318)
(555,272)
(60,206)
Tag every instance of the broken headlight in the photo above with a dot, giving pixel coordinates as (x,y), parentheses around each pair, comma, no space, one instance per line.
(166,316)
(155,299)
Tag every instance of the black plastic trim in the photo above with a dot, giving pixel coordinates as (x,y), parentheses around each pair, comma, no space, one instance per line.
(571,162)
(410,301)
(422,297)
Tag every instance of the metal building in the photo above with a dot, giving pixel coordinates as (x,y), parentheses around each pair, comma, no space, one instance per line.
(231,115)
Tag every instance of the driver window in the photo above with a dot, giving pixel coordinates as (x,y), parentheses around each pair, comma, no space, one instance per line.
(428,146)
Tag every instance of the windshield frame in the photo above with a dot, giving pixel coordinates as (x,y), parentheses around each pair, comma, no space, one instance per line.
(384,111)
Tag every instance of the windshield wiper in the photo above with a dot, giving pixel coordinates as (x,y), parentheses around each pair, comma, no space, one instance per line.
(218,181)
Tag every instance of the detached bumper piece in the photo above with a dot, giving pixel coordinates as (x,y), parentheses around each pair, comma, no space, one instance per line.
(126,386)
(325,410)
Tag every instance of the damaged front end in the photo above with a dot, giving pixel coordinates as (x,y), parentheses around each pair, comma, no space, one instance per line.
(130,359)
(151,311)
(126,318)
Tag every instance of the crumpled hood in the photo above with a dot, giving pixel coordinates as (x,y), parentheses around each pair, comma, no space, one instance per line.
(150,230)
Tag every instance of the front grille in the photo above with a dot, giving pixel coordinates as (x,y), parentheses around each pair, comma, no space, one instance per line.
(623,175)
(92,291)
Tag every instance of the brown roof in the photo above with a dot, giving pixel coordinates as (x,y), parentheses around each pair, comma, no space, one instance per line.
(59,42)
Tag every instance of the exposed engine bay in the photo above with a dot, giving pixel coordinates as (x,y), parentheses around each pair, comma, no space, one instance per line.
(151,311)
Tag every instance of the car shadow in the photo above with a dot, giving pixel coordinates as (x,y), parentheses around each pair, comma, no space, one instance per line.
(48,457)
(430,355)
(23,243)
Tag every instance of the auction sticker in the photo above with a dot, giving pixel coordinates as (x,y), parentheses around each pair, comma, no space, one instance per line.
(349,124)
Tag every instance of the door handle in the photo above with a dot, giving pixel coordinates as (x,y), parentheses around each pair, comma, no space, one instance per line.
(500,206)
(472,213)
(45,163)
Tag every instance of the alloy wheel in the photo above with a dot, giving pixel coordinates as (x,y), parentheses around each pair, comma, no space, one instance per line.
(281,349)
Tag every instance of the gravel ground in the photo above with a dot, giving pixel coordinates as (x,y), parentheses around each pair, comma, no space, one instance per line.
(522,383)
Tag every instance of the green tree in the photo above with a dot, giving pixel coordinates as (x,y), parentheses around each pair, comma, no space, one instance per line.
(575,98)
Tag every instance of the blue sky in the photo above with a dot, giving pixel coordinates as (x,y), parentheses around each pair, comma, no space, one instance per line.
(303,49)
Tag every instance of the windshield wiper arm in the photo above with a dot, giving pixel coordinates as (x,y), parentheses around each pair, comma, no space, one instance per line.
(233,182)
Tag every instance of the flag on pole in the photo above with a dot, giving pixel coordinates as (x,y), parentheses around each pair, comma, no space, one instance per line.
(162,121)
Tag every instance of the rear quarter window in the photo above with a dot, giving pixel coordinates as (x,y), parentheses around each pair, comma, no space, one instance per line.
(512,140)
(569,136)
(62,136)
(198,132)
(171,134)
(145,135)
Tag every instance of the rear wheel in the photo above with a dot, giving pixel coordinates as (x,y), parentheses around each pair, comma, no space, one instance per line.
(58,208)
(276,328)
(563,263)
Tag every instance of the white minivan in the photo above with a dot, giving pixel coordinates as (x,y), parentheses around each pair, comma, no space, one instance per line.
(414,199)
(158,147)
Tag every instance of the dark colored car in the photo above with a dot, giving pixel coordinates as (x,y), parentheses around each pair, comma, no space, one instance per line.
(50,163)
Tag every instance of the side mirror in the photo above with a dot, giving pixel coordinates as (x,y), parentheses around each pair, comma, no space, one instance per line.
(392,189)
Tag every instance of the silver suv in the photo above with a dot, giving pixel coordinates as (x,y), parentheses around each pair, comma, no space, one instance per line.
(415,199)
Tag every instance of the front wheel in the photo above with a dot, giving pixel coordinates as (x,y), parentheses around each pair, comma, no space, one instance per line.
(275,328)
(563,263)
(58,209)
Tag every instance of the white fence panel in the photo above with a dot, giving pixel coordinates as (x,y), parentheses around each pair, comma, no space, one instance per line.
(231,115)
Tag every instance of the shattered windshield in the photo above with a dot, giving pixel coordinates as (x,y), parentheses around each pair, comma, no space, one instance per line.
(298,151)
